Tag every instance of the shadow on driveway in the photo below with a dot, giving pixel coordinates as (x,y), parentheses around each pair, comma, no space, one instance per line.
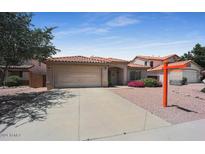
(29,107)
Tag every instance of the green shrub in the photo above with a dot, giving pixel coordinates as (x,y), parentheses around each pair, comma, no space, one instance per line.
(184,80)
(150,82)
(203,90)
(13,81)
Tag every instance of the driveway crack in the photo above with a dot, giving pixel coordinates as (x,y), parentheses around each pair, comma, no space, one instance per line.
(79,116)
(145,120)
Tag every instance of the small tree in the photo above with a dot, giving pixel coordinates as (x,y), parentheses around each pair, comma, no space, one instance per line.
(21,41)
(197,54)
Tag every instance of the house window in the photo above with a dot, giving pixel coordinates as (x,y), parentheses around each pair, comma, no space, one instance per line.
(135,75)
(153,77)
(151,64)
(145,63)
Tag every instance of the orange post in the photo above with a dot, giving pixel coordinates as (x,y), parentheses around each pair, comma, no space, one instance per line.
(165,84)
(165,79)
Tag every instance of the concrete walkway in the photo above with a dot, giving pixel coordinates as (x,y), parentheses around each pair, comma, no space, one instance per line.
(189,131)
(94,113)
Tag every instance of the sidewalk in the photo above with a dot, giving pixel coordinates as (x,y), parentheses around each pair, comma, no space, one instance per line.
(190,131)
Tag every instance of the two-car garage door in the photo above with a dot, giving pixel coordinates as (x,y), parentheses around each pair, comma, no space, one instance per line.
(77,76)
(191,75)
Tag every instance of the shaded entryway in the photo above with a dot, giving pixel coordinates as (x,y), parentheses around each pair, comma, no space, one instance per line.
(115,76)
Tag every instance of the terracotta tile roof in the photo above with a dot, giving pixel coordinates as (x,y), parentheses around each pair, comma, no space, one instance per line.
(160,67)
(18,67)
(155,57)
(137,66)
(110,59)
(77,59)
(169,56)
(83,59)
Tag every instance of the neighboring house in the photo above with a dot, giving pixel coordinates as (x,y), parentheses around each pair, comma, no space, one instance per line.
(32,72)
(152,61)
(191,72)
(80,71)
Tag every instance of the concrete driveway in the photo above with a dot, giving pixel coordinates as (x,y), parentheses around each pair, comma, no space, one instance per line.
(91,113)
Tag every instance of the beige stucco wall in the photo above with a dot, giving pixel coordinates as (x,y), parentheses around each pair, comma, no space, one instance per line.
(195,67)
(104,76)
(52,69)
(139,61)
(25,75)
(49,76)
(142,62)
(38,67)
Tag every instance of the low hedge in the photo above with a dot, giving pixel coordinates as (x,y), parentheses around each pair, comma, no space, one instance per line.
(13,81)
(147,82)
(150,82)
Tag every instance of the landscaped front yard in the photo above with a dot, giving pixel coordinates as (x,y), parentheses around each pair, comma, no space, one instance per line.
(185,103)
(95,113)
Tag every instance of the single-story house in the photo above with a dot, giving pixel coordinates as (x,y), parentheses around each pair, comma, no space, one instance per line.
(32,72)
(81,71)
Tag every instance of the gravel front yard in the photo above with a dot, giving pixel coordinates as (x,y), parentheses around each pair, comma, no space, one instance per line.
(18,90)
(185,103)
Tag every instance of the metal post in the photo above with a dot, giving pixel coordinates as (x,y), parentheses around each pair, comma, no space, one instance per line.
(165,82)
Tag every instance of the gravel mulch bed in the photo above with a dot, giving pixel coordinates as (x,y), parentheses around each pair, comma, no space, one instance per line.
(17,90)
(185,103)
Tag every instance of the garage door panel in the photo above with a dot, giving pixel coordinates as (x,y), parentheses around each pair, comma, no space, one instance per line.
(76,79)
(77,76)
(191,75)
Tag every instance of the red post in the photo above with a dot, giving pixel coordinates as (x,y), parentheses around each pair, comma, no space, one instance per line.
(165,82)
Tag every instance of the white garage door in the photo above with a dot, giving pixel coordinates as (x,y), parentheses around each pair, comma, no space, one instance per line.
(77,76)
(191,75)
(175,75)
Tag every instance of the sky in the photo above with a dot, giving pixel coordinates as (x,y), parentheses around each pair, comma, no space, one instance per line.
(123,35)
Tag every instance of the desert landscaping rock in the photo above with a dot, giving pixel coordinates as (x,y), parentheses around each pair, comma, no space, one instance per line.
(18,90)
(185,103)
